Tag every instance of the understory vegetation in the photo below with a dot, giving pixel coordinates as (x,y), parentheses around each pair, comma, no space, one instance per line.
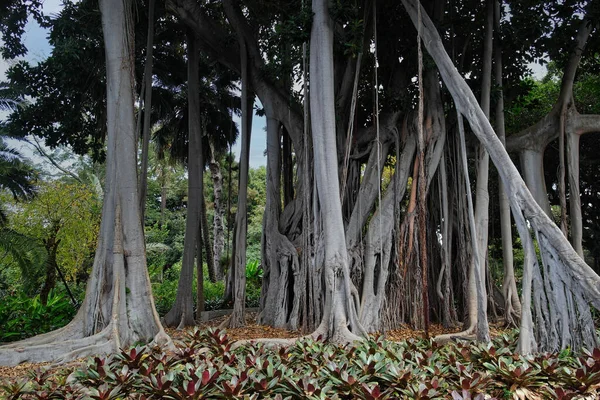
(205,366)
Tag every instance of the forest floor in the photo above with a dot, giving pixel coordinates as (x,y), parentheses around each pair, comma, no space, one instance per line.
(251,331)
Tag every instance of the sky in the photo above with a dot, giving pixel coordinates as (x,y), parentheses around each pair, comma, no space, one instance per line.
(38,49)
(35,39)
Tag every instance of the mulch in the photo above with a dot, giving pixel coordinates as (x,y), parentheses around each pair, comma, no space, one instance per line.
(251,331)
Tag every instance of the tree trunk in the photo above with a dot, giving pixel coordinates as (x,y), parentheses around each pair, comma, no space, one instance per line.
(558,257)
(218,217)
(210,261)
(287,170)
(118,309)
(51,245)
(238,268)
(164,179)
(340,320)
(512,305)
(182,312)
(199,275)
(574,192)
(143,179)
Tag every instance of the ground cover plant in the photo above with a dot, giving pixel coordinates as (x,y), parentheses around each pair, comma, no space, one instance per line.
(207,365)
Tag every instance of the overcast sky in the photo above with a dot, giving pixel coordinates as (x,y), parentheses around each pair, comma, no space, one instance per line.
(38,49)
(36,41)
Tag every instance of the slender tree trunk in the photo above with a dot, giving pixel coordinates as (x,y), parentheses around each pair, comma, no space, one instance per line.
(218,218)
(143,180)
(164,179)
(182,312)
(512,305)
(199,275)
(118,309)
(51,245)
(237,317)
(574,193)
(210,262)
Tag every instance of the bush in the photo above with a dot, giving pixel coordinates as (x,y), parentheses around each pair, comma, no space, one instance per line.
(205,366)
(22,316)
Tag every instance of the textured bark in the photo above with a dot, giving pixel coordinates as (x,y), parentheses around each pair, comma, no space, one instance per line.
(118,309)
(378,246)
(281,299)
(287,170)
(340,320)
(558,256)
(143,179)
(218,216)
(182,312)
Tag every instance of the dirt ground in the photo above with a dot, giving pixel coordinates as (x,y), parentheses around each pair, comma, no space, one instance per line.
(251,331)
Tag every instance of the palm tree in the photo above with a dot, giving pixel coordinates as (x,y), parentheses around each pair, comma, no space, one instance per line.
(16,176)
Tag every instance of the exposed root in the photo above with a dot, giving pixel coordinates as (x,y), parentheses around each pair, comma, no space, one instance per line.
(342,337)
(447,337)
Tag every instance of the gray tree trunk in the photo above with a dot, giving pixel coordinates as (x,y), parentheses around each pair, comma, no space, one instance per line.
(182,312)
(340,320)
(512,305)
(143,179)
(560,261)
(238,268)
(218,216)
(118,309)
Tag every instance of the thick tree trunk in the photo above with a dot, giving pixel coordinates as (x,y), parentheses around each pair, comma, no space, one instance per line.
(118,309)
(218,216)
(143,179)
(559,259)
(182,312)
(282,297)
(340,320)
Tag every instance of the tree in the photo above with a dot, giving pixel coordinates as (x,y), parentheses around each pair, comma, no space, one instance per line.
(64,218)
(182,313)
(118,309)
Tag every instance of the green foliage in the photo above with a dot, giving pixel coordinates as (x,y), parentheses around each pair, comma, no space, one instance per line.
(22,316)
(205,366)
(66,215)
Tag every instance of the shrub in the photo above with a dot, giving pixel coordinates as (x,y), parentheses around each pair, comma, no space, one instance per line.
(22,316)
(205,366)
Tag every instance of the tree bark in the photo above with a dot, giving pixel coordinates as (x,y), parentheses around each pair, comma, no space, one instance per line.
(238,269)
(512,305)
(143,179)
(118,309)
(557,253)
(218,217)
(340,320)
(182,312)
